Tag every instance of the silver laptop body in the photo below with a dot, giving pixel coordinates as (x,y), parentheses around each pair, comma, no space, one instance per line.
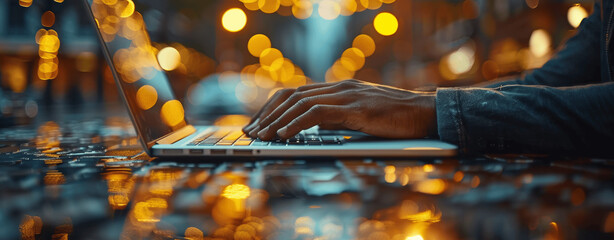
(164,131)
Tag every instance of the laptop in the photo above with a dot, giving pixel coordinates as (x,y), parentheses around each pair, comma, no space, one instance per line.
(159,118)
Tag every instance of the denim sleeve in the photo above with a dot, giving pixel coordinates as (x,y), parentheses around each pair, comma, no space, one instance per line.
(575,63)
(528,119)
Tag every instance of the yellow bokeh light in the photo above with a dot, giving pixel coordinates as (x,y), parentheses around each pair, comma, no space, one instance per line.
(386,24)
(146,97)
(365,43)
(371,4)
(302,9)
(234,20)
(285,72)
(172,113)
(576,14)
(269,6)
(236,191)
(286,3)
(257,44)
(252,6)
(25,3)
(329,9)
(39,34)
(125,9)
(340,72)
(268,59)
(109,2)
(353,59)
(348,7)
(539,43)
(169,58)
(431,186)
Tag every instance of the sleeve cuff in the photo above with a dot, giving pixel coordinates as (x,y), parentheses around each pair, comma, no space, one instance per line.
(449,121)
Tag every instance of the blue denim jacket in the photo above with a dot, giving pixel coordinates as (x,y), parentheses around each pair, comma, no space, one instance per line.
(564,107)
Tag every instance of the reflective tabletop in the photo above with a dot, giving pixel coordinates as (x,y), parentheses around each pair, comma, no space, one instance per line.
(90,179)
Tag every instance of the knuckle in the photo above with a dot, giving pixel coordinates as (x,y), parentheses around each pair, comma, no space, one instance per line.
(303,102)
(295,97)
(302,88)
(316,109)
(285,91)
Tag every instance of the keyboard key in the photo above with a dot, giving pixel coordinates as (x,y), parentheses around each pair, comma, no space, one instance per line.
(214,138)
(259,144)
(329,139)
(204,135)
(243,142)
(230,138)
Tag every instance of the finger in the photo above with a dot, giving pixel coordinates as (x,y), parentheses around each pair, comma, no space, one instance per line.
(296,110)
(298,96)
(318,114)
(277,98)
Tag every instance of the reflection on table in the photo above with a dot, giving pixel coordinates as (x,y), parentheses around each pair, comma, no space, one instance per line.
(91,180)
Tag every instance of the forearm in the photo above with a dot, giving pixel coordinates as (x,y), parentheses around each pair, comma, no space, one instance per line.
(527,119)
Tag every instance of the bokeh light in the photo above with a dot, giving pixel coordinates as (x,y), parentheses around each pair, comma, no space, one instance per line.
(236,191)
(146,97)
(576,14)
(268,6)
(234,19)
(172,113)
(353,59)
(257,44)
(48,19)
(169,58)
(269,57)
(124,9)
(539,43)
(461,61)
(329,9)
(386,24)
(365,43)
(302,9)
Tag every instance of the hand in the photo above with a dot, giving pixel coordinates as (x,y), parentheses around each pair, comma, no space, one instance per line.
(370,108)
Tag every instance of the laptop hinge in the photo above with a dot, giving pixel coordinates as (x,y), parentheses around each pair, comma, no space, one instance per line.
(177,135)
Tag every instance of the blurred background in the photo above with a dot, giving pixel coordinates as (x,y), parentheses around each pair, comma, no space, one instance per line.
(229,56)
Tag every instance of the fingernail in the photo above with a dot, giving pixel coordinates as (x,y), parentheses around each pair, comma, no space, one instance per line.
(282,131)
(263,132)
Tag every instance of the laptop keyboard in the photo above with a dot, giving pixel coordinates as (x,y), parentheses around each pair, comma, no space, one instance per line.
(227,137)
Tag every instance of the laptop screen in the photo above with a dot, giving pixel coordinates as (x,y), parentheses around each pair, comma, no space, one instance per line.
(145,87)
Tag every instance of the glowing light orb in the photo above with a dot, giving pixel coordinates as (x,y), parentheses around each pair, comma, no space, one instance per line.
(172,113)
(234,20)
(329,10)
(365,43)
(386,24)
(257,44)
(575,15)
(539,43)
(236,191)
(146,97)
(169,58)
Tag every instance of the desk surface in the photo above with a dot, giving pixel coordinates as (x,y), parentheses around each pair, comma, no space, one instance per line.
(90,180)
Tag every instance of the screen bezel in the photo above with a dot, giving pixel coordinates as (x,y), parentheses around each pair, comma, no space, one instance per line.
(146,144)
